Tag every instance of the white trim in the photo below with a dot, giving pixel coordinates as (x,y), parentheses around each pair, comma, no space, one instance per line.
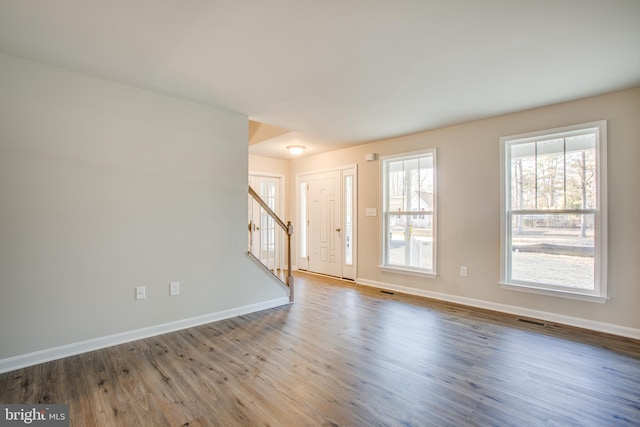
(408,271)
(552,132)
(593,325)
(562,293)
(601,270)
(417,153)
(331,169)
(504,227)
(47,355)
(302,225)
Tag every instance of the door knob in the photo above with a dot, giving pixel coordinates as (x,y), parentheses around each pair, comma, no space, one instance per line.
(337,229)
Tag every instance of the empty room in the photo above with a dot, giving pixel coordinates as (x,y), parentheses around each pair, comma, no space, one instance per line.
(354,213)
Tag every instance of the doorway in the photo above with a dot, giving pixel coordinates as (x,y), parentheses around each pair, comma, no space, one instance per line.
(327,218)
(266,242)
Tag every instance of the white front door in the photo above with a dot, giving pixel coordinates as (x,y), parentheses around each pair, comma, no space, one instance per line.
(327,215)
(325,222)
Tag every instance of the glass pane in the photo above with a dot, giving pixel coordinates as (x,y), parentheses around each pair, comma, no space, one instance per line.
(348,220)
(553,249)
(267,238)
(424,184)
(523,176)
(411,172)
(581,172)
(396,186)
(268,193)
(410,184)
(410,241)
(550,174)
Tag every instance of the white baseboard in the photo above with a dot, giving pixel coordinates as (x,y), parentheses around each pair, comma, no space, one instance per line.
(37,357)
(609,328)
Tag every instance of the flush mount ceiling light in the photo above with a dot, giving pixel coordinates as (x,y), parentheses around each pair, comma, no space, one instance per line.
(296,150)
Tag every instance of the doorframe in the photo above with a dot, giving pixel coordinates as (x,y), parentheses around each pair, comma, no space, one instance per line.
(300,263)
(280,211)
(280,208)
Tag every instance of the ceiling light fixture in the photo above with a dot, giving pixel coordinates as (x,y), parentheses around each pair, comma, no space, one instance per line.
(296,150)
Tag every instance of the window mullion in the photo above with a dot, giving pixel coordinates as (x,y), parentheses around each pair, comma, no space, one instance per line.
(553,211)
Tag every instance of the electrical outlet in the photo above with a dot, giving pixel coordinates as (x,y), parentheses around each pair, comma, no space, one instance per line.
(141,292)
(174,288)
(463,271)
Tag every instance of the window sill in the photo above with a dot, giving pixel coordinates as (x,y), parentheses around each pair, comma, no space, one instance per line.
(554,292)
(408,271)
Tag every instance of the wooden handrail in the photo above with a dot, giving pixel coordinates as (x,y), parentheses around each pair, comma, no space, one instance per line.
(288,228)
(266,207)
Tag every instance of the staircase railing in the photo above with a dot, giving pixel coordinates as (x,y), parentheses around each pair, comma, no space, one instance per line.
(268,236)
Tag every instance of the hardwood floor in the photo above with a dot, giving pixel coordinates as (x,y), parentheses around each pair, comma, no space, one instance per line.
(349,356)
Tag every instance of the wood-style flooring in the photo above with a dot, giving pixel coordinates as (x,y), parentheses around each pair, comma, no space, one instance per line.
(348,356)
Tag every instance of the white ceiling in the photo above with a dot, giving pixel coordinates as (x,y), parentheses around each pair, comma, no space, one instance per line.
(340,72)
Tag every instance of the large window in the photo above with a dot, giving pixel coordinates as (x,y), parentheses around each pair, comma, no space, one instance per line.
(554,211)
(409,214)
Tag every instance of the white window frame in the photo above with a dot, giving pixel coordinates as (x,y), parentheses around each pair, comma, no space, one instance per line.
(599,293)
(384,218)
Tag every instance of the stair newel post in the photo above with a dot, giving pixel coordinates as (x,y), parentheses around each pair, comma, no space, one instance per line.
(289,275)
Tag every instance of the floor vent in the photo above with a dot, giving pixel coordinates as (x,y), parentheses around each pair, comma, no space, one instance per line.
(388,292)
(532,322)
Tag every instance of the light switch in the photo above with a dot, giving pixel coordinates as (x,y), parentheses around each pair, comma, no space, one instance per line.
(174,288)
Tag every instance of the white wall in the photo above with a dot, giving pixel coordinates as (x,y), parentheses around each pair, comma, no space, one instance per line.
(105,187)
(280,167)
(469,210)
(269,165)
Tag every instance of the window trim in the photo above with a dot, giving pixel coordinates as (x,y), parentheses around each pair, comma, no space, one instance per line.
(383,265)
(599,293)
